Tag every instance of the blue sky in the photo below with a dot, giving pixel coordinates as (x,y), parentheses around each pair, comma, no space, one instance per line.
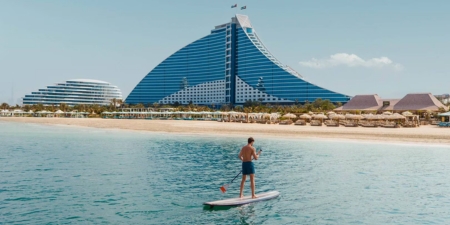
(355,47)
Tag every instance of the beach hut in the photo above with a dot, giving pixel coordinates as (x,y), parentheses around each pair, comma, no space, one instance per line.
(5,113)
(362,103)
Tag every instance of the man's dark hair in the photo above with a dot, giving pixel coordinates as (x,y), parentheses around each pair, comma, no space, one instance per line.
(250,140)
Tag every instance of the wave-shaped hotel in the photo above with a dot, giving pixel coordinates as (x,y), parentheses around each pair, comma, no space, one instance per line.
(75,92)
(229,66)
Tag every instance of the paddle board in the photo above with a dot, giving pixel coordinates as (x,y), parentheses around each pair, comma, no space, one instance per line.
(245,200)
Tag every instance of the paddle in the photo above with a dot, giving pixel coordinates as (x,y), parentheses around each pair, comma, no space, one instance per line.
(225,186)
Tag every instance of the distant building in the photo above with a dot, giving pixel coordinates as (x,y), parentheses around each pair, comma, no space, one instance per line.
(411,102)
(75,92)
(444,98)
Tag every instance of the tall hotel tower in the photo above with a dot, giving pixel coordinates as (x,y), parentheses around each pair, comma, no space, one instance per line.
(229,66)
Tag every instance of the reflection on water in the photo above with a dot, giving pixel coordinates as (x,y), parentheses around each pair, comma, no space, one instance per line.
(247,213)
(92,176)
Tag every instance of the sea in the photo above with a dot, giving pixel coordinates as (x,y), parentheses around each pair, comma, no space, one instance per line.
(74,175)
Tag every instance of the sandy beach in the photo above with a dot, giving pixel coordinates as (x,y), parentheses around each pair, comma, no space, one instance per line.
(424,134)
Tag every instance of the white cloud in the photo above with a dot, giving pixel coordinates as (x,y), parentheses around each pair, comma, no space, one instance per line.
(351,60)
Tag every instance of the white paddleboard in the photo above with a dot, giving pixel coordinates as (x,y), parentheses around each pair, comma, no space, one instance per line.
(245,200)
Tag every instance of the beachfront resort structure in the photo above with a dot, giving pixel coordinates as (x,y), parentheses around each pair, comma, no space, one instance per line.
(75,92)
(229,66)
(425,102)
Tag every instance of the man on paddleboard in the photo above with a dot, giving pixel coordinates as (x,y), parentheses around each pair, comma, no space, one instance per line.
(247,154)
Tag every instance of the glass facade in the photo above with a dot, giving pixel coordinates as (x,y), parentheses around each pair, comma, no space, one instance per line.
(230,65)
(75,92)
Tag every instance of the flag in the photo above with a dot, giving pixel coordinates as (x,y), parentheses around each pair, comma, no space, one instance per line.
(243,7)
(234,6)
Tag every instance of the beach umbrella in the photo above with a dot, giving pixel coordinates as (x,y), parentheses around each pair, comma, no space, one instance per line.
(305,116)
(398,116)
(59,112)
(290,115)
(387,113)
(356,117)
(330,112)
(407,113)
(378,117)
(320,116)
(337,117)
(394,116)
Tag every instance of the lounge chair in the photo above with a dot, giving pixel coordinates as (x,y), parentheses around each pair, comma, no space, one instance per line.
(391,125)
(350,124)
(331,123)
(315,123)
(368,124)
(300,122)
(286,122)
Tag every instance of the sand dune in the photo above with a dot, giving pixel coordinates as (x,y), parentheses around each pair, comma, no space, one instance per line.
(423,134)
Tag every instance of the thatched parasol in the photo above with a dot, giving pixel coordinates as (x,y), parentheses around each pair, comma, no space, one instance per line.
(407,113)
(337,117)
(305,116)
(348,116)
(356,117)
(397,116)
(320,116)
(290,115)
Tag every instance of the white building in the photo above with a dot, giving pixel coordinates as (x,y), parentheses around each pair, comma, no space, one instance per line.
(75,92)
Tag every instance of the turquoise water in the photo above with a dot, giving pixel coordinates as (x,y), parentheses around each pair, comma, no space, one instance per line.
(66,175)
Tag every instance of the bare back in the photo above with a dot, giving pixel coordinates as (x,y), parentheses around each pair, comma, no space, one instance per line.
(248,153)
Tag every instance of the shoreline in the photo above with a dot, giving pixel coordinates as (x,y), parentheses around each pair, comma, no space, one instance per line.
(422,135)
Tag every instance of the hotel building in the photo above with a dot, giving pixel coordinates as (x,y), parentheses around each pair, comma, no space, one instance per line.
(75,92)
(229,66)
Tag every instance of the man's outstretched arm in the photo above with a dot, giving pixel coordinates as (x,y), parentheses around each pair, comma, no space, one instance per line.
(255,156)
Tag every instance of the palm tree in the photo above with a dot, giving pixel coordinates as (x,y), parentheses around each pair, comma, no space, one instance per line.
(247,110)
(38,107)
(5,106)
(63,107)
(114,103)
(119,102)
